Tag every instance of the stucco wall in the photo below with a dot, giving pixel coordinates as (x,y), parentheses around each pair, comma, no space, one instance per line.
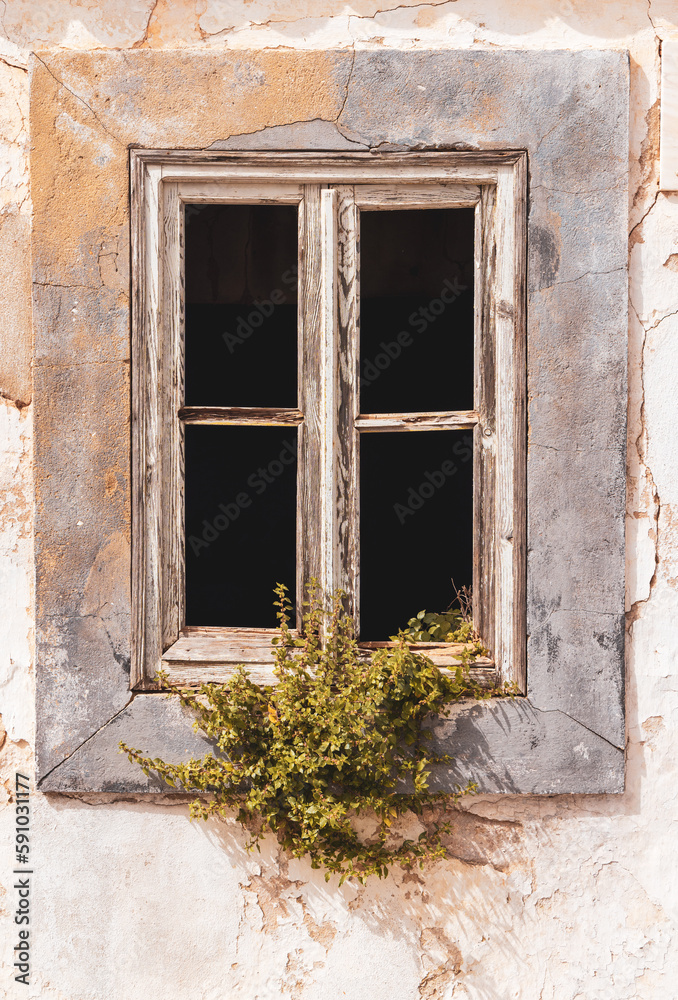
(546,899)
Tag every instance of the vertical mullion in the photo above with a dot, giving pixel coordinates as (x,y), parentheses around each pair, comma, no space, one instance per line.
(347,438)
(171,431)
(328,378)
(499,493)
(328,473)
(309,472)
(505,417)
(484,434)
(146,513)
(510,361)
(519,650)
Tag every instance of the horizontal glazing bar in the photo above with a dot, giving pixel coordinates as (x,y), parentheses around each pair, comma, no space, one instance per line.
(262,416)
(436,421)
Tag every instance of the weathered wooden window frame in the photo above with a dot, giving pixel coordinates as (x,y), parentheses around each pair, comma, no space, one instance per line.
(330,190)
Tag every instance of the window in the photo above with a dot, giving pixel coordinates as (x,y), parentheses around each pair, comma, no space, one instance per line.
(328,384)
(567,733)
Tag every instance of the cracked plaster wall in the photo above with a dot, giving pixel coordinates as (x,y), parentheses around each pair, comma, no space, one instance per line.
(569,898)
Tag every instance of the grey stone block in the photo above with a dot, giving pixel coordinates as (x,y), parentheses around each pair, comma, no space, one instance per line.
(512,746)
(507,746)
(317,134)
(153,724)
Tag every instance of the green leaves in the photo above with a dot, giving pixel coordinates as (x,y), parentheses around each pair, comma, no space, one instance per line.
(446,626)
(338,736)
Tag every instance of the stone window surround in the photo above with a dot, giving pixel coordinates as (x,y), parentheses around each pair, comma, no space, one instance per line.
(569,111)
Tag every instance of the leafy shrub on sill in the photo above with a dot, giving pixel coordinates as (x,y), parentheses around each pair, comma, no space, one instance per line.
(443,626)
(452,625)
(335,738)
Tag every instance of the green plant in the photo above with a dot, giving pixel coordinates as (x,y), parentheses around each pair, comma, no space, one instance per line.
(338,736)
(452,625)
(443,626)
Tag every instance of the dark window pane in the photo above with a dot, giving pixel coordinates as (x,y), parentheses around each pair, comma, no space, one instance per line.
(241,305)
(416,515)
(416,310)
(240,523)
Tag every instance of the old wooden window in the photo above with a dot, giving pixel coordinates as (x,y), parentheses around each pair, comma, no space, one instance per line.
(304,406)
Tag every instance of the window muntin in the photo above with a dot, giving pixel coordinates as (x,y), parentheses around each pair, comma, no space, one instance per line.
(330,193)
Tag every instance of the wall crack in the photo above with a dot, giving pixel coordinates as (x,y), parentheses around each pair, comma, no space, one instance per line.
(89,739)
(80,100)
(144,38)
(641,447)
(550,711)
(348,86)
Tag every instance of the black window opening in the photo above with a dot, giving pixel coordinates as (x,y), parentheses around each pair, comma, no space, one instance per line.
(241,496)
(241,305)
(416,310)
(240,351)
(416,355)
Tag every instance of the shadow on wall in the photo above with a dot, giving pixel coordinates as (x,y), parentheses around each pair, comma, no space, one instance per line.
(419,921)
(463,916)
(469,919)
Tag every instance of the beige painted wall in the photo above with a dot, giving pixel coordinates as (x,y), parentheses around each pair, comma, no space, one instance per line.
(570,898)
